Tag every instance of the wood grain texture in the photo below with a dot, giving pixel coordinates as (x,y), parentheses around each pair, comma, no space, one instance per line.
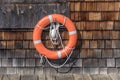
(27,15)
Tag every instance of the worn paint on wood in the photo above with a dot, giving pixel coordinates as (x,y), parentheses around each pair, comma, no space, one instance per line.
(27,15)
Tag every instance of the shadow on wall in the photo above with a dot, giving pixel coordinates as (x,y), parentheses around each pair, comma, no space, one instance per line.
(74,57)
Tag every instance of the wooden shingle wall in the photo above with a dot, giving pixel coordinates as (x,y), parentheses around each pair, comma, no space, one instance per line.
(99,25)
(17,20)
(98,48)
(26,13)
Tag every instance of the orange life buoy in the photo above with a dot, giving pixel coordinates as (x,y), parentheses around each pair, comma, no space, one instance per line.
(38,31)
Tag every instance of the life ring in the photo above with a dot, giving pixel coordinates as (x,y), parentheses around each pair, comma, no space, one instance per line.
(50,54)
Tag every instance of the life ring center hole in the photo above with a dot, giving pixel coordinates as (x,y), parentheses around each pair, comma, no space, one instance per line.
(48,43)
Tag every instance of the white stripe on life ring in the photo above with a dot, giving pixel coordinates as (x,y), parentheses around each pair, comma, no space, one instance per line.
(37,41)
(72,32)
(50,18)
(59,54)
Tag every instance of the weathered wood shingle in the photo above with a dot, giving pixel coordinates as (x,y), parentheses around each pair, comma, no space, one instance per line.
(97,23)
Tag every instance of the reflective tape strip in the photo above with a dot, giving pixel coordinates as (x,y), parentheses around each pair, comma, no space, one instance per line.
(50,18)
(72,32)
(37,25)
(59,54)
(37,41)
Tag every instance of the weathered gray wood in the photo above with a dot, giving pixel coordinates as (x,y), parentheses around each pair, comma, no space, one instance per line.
(31,1)
(14,77)
(100,77)
(61,77)
(1,77)
(115,76)
(29,77)
(64,77)
(82,77)
(41,75)
(10,77)
(27,15)
(50,77)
